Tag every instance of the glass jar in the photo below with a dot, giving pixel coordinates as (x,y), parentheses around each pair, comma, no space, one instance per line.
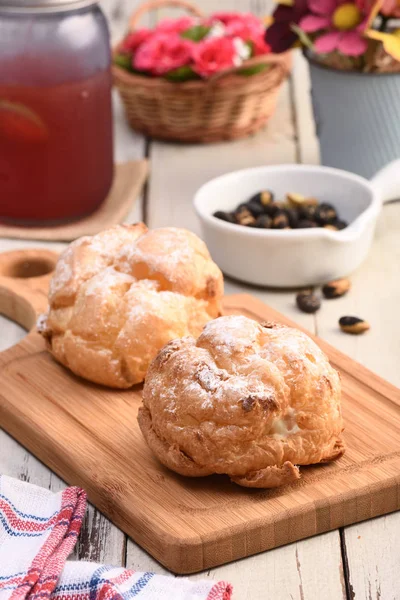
(56,160)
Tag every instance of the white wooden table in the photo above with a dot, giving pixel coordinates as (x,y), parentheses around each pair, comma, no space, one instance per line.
(361,561)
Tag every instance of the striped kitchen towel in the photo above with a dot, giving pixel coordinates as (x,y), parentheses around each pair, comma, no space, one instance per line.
(38,530)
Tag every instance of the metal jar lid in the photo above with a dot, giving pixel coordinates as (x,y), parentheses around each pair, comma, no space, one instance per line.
(43,5)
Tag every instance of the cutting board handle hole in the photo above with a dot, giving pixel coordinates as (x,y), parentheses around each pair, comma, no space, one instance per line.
(28,268)
(24,283)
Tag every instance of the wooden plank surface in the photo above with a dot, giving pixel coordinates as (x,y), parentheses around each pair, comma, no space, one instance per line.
(379,354)
(373,551)
(289,572)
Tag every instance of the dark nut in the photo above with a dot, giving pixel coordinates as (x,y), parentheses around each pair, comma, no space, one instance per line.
(307,212)
(264,222)
(244,217)
(225,216)
(255,208)
(265,197)
(280,221)
(293,217)
(325,214)
(252,207)
(295,212)
(340,224)
(337,288)
(308,302)
(305,223)
(353,325)
(273,209)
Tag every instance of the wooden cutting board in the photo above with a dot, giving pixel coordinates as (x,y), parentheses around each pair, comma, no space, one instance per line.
(89,436)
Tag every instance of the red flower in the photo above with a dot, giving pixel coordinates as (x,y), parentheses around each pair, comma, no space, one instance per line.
(163,52)
(245,30)
(245,26)
(133,40)
(249,29)
(260,46)
(175,25)
(227,18)
(279,35)
(224,17)
(213,55)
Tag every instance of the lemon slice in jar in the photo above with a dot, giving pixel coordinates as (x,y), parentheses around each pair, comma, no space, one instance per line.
(18,123)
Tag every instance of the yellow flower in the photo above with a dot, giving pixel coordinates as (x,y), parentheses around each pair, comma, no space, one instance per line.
(347,16)
(390,41)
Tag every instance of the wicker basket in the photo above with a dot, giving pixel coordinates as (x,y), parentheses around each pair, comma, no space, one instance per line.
(226,106)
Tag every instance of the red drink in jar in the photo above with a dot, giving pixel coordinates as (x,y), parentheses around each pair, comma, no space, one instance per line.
(55,115)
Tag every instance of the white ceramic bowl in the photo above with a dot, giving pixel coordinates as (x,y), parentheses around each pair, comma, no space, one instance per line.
(293,258)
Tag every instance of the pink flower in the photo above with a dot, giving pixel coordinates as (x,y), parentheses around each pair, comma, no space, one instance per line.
(175,25)
(343,22)
(249,31)
(213,55)
(245,26)
(163,52)
(245,29)
(133,40)
(227,18)
(391,8)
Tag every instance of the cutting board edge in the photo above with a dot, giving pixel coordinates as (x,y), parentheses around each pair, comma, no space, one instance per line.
(216,548)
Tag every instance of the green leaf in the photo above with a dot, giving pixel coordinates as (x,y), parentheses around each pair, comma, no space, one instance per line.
(250,44)
(247,71)
(124,61)
(196,33)
(184,73)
